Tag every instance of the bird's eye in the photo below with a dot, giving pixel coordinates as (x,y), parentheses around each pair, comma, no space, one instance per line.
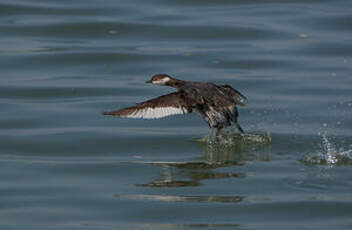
(155,79)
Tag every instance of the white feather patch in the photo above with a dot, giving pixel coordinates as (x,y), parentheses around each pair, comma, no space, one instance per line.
(157,112)
(161,81)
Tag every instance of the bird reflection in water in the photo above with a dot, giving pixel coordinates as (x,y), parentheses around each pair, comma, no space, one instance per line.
(216,155)
(182,198)
(194,171)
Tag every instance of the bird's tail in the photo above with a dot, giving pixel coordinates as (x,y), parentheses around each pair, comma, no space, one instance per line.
(239,98)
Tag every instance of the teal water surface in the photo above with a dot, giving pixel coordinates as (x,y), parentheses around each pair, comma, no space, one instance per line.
(65,166)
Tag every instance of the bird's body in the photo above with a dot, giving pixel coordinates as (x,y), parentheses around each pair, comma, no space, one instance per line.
(216,104)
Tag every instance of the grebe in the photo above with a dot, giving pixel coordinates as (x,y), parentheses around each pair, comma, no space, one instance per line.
(216,104)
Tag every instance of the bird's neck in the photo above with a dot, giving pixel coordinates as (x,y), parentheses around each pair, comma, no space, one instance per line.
(175,83)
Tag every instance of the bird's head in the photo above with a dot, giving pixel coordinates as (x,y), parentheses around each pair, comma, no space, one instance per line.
(160,79)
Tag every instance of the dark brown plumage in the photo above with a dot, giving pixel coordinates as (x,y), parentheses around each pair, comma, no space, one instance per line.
(216,104)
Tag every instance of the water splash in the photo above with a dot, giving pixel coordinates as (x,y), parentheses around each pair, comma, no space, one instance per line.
(330,155)
(232,139)
(235,148)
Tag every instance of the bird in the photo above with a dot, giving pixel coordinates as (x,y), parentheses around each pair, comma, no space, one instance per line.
(217,104)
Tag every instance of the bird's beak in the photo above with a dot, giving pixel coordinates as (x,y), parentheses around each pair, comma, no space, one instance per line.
(150,81)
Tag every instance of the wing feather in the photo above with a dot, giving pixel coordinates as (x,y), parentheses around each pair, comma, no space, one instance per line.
(166,105)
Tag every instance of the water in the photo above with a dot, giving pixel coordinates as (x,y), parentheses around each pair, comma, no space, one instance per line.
(65,166)
(330,154)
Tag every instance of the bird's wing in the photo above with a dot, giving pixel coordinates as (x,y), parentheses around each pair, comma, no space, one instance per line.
(239,98)
(166,105)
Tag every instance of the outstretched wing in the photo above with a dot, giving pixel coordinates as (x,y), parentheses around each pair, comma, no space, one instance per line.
(237,96)
(166,105)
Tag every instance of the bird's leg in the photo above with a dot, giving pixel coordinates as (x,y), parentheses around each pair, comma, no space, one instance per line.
(235,116)
(212,134)
(217,134)
(239,128)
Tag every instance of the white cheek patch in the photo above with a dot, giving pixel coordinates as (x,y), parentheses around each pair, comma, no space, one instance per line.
(161,81)
(154,113)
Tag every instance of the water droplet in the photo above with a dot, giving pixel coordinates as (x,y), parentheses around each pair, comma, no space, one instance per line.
(330,155)
(112,32)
